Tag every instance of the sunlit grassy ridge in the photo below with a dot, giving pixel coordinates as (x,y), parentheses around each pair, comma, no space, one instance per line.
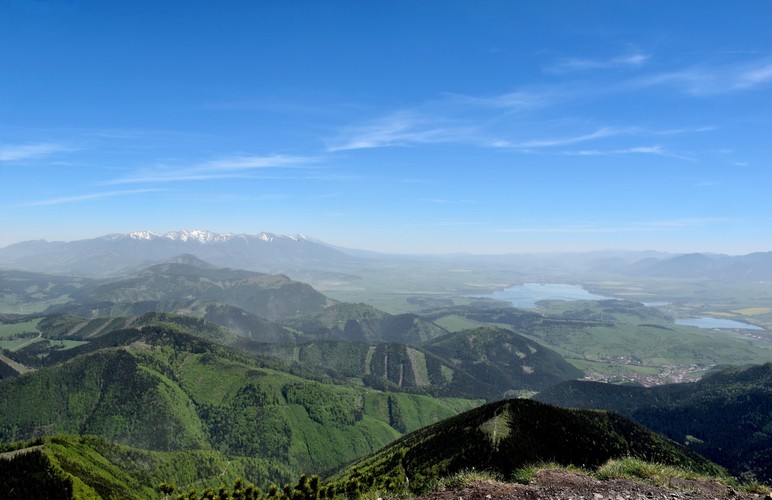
(726,416)
(162,390)
(92,467)
(505,436)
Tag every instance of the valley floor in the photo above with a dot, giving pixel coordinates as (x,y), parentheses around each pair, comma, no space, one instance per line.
(558,484)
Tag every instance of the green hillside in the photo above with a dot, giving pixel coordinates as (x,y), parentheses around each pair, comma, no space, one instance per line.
(501,360)
(62,336)
(486,363)
(91,467)
(26,292)
(171,286)
(617,339)
(481,363)
(158,389)
(380,365)
(504,436)
(248,325)
(363,323)
(726,416)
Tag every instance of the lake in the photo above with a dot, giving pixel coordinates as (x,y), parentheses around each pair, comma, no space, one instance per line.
(707,322)
(526,296)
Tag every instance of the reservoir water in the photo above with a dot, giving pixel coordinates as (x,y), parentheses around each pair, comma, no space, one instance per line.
(706,322)
(527,295)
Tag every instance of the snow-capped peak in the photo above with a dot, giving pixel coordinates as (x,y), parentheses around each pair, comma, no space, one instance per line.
(204,237)
(143,235)
(198,235)
(136,235)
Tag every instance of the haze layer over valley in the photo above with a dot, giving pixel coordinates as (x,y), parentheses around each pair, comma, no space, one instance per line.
(306,250)
(245,366)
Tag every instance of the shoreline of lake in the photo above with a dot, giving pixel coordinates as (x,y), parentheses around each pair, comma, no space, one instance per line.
(527,295)
(707,322)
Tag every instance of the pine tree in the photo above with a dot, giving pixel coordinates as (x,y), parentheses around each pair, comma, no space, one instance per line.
(167,489)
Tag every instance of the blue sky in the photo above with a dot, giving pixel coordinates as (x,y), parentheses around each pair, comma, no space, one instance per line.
(403,126)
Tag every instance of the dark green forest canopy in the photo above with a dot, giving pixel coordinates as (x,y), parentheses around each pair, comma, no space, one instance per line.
(504,436)
(726,416)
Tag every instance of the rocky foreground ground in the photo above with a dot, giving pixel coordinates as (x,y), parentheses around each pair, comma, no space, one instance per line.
(554,485)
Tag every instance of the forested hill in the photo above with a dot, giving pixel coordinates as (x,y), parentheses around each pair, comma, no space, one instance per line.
(726,416)
(504,436)
(169,286)
(484,362)
(157,389)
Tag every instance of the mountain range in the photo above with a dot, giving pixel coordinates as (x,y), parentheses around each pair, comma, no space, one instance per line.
(271,315)
(121,253)
(158,388)
(267,252)
(186,281)
(205,373)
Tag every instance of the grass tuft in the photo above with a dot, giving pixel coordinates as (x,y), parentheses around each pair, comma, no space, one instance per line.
(465,478)
(525,475)
(635,469)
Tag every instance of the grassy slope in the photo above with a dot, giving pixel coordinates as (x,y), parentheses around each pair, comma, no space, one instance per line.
(626,335)
(91,466)
(504,436)
(363,323)
(502,360)
(727,416)
(168,391)
(484,363)
(166,287)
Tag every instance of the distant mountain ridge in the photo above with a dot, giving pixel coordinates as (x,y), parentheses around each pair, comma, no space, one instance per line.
(202,236)
(751,267)
(186,281)
(122,253)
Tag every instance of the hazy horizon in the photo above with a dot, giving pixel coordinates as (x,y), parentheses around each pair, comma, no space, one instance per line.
(333,244)
(404,127)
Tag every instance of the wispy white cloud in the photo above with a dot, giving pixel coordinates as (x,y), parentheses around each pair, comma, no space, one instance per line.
(626,61)
(644,150)
(710,80)
(515,101)
(751,77)
(407,128)
(452,118)
(492,121)
(561,141)
(18,152)
(224,168)
(402,128)
(603,133)
(84,197)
